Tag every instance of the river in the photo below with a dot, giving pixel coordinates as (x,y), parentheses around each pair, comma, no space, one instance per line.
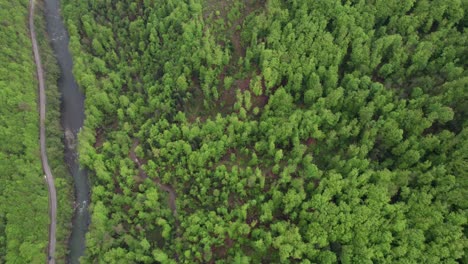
(72,120)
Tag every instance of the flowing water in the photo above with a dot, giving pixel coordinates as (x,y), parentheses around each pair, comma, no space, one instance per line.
(72,121)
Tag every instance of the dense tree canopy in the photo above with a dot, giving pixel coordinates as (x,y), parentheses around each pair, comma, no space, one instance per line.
(24,216)
(20,167)
(291,131)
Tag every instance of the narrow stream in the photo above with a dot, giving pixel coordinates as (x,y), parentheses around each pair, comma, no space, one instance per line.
(72,120)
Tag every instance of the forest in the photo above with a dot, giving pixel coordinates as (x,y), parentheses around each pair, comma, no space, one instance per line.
(24,218)
(271,131)
(20,167)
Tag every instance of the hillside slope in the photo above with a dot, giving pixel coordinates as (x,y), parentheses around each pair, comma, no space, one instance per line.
(291,131)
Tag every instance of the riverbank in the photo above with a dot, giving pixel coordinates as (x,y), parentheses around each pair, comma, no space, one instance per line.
(72,118)
(54,137)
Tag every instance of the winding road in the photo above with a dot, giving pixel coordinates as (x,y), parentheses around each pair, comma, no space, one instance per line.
(42,138)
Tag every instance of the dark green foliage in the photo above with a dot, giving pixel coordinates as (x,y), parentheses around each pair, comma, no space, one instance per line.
(313,131)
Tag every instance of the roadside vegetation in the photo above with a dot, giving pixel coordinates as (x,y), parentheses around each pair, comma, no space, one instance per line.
(55,138)
(291,131)
(24,215)
(23,193)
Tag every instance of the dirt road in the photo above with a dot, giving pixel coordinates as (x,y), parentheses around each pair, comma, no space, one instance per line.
(165,187)
(42,138)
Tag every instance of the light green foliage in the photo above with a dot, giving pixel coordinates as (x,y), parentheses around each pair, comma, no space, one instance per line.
(23,194)
(292,131)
